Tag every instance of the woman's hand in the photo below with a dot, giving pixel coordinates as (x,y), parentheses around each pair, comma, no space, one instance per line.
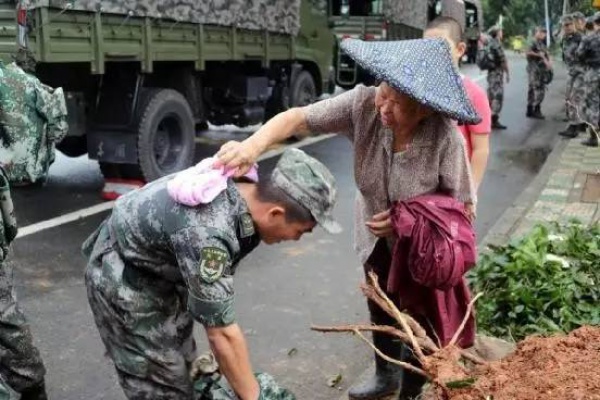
(381,225)
(240,156)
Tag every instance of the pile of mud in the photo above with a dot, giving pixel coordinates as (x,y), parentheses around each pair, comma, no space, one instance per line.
(552,368)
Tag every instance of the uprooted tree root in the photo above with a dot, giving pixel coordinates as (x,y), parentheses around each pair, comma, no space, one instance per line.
(554,368)
(441,366)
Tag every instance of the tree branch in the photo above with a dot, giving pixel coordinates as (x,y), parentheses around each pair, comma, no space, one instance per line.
(461,328)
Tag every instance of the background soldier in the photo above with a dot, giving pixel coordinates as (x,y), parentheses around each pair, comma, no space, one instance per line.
(21,366)
(589,54)
(579,21)
(575,87)
(538,63)
(495,76)
(166,256)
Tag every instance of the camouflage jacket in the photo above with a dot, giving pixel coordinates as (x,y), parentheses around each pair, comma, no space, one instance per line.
(570,44)
(33,118)
(8,222)
(216,387)
(497,52)
(589,50)
(538,47)
(164,245)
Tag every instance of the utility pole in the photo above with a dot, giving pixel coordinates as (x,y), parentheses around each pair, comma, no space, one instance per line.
(547,24)
(566,7)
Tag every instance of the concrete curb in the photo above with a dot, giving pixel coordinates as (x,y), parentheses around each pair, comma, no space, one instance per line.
(501,231)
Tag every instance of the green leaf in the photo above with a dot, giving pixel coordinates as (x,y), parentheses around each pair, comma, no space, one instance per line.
(462,383)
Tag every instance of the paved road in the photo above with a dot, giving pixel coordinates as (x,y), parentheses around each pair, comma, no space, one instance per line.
(281,289)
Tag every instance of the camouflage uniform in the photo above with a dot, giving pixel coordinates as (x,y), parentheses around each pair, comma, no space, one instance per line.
(589,54)
(156,265)
(215,387)
(575,87)
(495,77)
(33,118)
(535,70)
(6,393)
(20,363)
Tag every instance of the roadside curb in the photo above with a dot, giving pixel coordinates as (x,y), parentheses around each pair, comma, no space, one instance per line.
(501,231)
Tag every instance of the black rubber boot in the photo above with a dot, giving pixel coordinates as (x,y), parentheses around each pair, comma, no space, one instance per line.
(537,113)
(592,141)
(496,124)
(37,392)
(412,384)
(529,113)
(571,132)
(386,380)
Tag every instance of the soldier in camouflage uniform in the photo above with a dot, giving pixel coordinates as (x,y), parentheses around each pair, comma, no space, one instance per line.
(33,118)
(156,265)
(495,76)
(589,54)
(575,86)
(538,64)
(21,368)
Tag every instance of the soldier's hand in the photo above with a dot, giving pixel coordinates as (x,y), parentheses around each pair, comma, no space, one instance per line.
(240,156)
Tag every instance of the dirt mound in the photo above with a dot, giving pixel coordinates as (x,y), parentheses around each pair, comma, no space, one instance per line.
(553,368)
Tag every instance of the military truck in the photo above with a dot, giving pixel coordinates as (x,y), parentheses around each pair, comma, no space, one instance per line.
(382,20)
(142,77)
(473,27)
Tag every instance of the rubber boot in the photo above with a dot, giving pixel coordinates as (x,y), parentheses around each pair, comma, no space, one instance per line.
(386,380)
(592,141)
(537,113)
(496,124)
(529,113)
(37,392)
(571,132)
(412,384)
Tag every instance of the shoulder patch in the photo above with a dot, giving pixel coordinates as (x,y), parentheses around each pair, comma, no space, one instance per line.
(212,263)
(246,225)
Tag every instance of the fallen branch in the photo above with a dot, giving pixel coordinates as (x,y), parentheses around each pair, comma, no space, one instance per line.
(461,328)
(398,316)
(425,344)
(408,366)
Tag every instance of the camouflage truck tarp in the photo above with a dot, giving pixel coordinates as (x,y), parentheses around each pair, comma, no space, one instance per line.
(273,15)
(412,13)
(454,9)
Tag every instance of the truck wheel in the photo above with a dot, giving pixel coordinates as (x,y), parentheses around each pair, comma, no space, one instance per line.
(73,146)
(166,133)
(304,90)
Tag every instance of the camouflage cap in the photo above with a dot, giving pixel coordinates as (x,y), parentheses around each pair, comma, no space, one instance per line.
(567,19)
(596,17)
(310,183)
(578,15)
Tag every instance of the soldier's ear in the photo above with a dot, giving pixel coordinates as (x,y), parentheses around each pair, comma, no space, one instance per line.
(276,212)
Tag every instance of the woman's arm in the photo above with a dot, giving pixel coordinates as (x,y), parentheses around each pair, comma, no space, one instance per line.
(331,115)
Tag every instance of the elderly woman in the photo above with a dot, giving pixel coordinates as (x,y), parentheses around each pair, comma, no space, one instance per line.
(405,144)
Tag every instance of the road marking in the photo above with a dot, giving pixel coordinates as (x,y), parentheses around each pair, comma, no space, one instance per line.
(64,219)
(98,208)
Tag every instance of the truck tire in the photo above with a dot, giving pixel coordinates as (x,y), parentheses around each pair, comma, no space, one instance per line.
(73,146)
(304,90)
(166,132)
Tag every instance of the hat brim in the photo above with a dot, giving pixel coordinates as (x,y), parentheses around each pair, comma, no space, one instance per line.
(329,224)
(444,92)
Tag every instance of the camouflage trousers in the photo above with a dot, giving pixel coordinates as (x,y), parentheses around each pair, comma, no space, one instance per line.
(20,363)
(495,91)
(537,88)
(146,330)
(215,387)
(592,96)
(575,97)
